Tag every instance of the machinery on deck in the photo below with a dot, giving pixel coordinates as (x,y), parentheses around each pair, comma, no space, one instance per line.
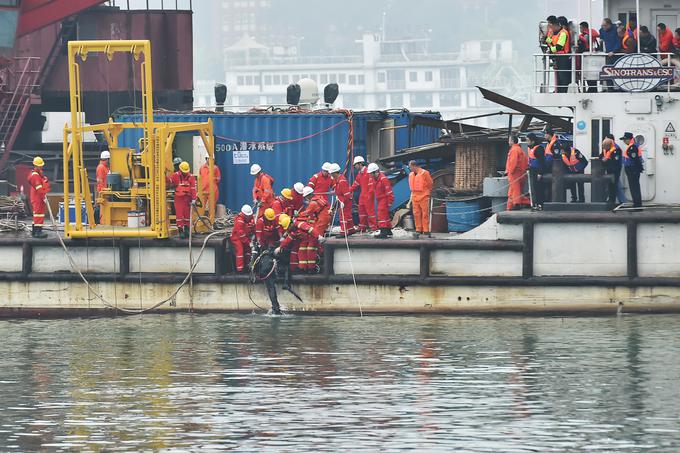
(137,178)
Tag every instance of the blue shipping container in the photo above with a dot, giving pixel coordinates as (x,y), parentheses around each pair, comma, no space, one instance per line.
(290,147)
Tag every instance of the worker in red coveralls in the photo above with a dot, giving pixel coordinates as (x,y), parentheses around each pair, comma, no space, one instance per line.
(204,174)
(244,227)
(101,174)
(298,199)
(263,189)
(283,204)
(185,195)
(385,198)
(516,167)
(315,214)
(295,232)
(267,229)
(362,180)
(322,182)
(40,186)
(343,193)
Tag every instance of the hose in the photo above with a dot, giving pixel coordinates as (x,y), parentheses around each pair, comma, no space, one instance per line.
(101,298)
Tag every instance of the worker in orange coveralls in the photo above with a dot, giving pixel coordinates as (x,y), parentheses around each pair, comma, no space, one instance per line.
(362,180)
(420,183)
(244,227)
(204,174)
(185,195)
(40,186)
(267,229)
(315,214)
(343,193)
(101,174)
(298,199)
(385,198)
(283,204)
(263,188)
(516,168)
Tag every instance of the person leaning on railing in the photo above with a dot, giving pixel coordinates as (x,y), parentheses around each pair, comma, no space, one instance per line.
(628,42)
(559,45)
(647,41)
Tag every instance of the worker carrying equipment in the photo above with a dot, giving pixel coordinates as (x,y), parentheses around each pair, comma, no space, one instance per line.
(363,181)
(40,186)
(297,233)
(516,166)
(204,176)
(283,204)
(185,195)
(420,183)
(385,198)
(244,227)
(263,188)
(343,193)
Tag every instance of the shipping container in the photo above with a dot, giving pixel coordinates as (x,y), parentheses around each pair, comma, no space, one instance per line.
(292,147)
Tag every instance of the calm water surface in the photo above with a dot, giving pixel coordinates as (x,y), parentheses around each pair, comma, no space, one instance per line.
(256,383)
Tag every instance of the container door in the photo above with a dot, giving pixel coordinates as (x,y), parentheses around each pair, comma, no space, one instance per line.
(645,137)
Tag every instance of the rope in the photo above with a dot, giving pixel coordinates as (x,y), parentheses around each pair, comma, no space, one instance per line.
(191,260)
(108,304)
(351,265)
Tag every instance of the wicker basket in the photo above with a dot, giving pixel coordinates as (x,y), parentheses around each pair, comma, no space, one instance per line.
(474,162)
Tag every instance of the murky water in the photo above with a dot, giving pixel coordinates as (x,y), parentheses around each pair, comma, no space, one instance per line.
(255,383)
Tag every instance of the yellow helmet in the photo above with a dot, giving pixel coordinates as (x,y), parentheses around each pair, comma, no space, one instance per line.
(38,161)
(287,194)
(184,167)
(269,214)
(284,221)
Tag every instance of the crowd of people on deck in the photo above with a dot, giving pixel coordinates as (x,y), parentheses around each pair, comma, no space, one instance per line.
(615,39)
(539,161)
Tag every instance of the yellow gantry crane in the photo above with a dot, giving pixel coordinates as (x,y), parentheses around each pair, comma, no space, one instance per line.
(143,169)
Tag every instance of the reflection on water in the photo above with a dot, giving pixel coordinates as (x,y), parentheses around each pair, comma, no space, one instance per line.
(254,383)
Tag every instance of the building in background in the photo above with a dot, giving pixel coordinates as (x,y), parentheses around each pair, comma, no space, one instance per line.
(390,74)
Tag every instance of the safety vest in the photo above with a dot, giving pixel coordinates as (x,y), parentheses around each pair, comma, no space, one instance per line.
(631,161)
(562,34)
(609,153)
(533,162)
(573,162)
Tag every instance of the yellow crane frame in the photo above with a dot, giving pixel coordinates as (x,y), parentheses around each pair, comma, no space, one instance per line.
(155,148)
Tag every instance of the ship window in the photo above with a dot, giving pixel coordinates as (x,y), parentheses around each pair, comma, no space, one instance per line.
(284,79)
(396,100)
(342,78)
(324,78)
(428,76)
(449,99)
(600,127)
(361,79)
(381,77)
(267,80)
(240,80)
(413,76)
(352,79)
(277,79)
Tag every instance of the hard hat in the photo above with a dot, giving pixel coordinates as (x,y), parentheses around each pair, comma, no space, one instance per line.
(326,166)
(359,160)
(255,169)
(177,161)
(307,191)
(335,168)
(246,209)
(299,187)
(284,221)
(287,194)
(372,168)
(38,161)
(105,155)
(184,167)
(269,214)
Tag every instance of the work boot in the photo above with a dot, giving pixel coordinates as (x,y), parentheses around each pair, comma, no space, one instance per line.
(384,233)
(182,234)
(416,235)
(37,232)
(186,232)
(389,232)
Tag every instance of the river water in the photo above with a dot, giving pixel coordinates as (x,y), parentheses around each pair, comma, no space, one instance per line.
(302,383)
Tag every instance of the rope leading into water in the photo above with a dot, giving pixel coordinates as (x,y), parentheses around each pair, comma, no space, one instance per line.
(113,306)
(351,265)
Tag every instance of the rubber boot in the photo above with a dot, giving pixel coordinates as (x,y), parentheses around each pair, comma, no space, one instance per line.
(384,233)
(37,232)
(182,234)
(388,232)
(186,232)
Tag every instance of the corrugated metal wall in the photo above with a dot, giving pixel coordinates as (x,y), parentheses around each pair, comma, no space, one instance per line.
(291,147)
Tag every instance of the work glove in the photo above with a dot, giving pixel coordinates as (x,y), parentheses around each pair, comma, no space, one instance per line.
(198,202)
(193,202)
(277,250)
(321,239)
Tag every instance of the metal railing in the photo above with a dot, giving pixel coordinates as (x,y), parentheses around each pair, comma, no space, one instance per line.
(580,72)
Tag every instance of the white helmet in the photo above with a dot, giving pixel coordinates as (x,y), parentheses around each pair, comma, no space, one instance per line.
(372,168)
(326,166)
(246,209)
(307,191)
(255,169)
(299,187)
(335,168)
(359,160)
(105,155)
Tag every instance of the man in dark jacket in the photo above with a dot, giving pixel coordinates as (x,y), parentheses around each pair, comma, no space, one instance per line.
(632,165)
(537,168)
(611,161)
(647,40)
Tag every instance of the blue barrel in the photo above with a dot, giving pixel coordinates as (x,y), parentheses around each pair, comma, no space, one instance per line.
(463,216)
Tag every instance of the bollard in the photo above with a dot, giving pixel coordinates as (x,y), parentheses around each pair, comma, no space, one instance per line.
(598,185)
(559,193)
